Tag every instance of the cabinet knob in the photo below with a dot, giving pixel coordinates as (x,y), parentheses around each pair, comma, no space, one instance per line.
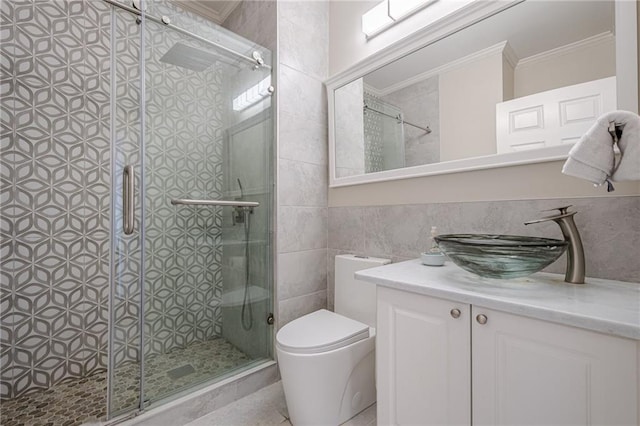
(455,313)
(482,319)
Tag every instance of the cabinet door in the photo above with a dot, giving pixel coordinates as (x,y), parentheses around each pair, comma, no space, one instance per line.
(423,360)
(532,372)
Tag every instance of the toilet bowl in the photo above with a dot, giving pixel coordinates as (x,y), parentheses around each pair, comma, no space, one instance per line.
(327,359)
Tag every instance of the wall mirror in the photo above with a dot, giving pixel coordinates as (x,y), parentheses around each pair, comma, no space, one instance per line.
(491,85)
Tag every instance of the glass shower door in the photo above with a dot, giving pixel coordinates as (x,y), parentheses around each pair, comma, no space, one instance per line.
(192,124)
(208,137)
(125,337)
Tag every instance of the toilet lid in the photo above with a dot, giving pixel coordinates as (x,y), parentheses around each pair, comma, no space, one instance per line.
(320,331)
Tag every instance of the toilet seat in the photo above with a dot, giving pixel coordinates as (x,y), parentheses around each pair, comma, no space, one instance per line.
(320,331)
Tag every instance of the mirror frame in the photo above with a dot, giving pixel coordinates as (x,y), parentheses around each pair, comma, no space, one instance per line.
(626,88)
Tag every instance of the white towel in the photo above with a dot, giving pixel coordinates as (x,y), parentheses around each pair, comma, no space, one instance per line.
(593,159)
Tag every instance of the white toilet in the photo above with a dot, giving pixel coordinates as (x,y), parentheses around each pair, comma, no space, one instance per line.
(327,360)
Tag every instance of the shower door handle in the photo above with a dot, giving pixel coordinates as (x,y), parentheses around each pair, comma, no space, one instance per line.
(128,199)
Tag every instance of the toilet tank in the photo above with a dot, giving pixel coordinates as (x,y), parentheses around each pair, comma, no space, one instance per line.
(356,299)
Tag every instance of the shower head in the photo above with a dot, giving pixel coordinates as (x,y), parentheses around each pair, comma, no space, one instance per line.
(189,57)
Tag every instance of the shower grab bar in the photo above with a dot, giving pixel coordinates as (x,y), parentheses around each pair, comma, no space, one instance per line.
(399,118)
(128,199)
(187,202)
(256,59)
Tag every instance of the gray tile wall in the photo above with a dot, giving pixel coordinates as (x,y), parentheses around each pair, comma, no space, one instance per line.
(610,230)
(302,158)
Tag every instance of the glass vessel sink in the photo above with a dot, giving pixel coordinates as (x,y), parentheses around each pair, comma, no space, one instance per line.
(500,256)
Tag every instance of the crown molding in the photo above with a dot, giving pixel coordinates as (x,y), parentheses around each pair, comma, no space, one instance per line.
(567,48)
(510,55)
(496,49)
(373,90)
(228,8)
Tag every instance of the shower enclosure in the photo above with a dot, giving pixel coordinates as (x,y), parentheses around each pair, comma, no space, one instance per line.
(137,187)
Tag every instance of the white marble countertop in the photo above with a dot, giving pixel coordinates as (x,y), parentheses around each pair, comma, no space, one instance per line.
(607,306)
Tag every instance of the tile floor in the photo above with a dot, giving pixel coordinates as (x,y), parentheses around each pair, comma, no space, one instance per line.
(76,401)
(70,402)
(267,407)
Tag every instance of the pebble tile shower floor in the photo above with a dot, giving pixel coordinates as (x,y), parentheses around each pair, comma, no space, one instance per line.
(76,401)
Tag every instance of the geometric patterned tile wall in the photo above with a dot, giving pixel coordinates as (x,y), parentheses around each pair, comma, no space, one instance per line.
(55,191)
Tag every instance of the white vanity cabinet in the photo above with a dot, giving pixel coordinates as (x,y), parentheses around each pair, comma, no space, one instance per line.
(441,362)
(530,371)
(423,360)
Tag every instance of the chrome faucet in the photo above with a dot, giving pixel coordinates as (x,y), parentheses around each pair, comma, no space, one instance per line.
(575,253)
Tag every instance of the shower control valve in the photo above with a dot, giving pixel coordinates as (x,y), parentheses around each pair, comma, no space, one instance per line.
(239,214)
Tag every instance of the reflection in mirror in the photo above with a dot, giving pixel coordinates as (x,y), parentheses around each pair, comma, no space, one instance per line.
(371,132)
(533,76)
